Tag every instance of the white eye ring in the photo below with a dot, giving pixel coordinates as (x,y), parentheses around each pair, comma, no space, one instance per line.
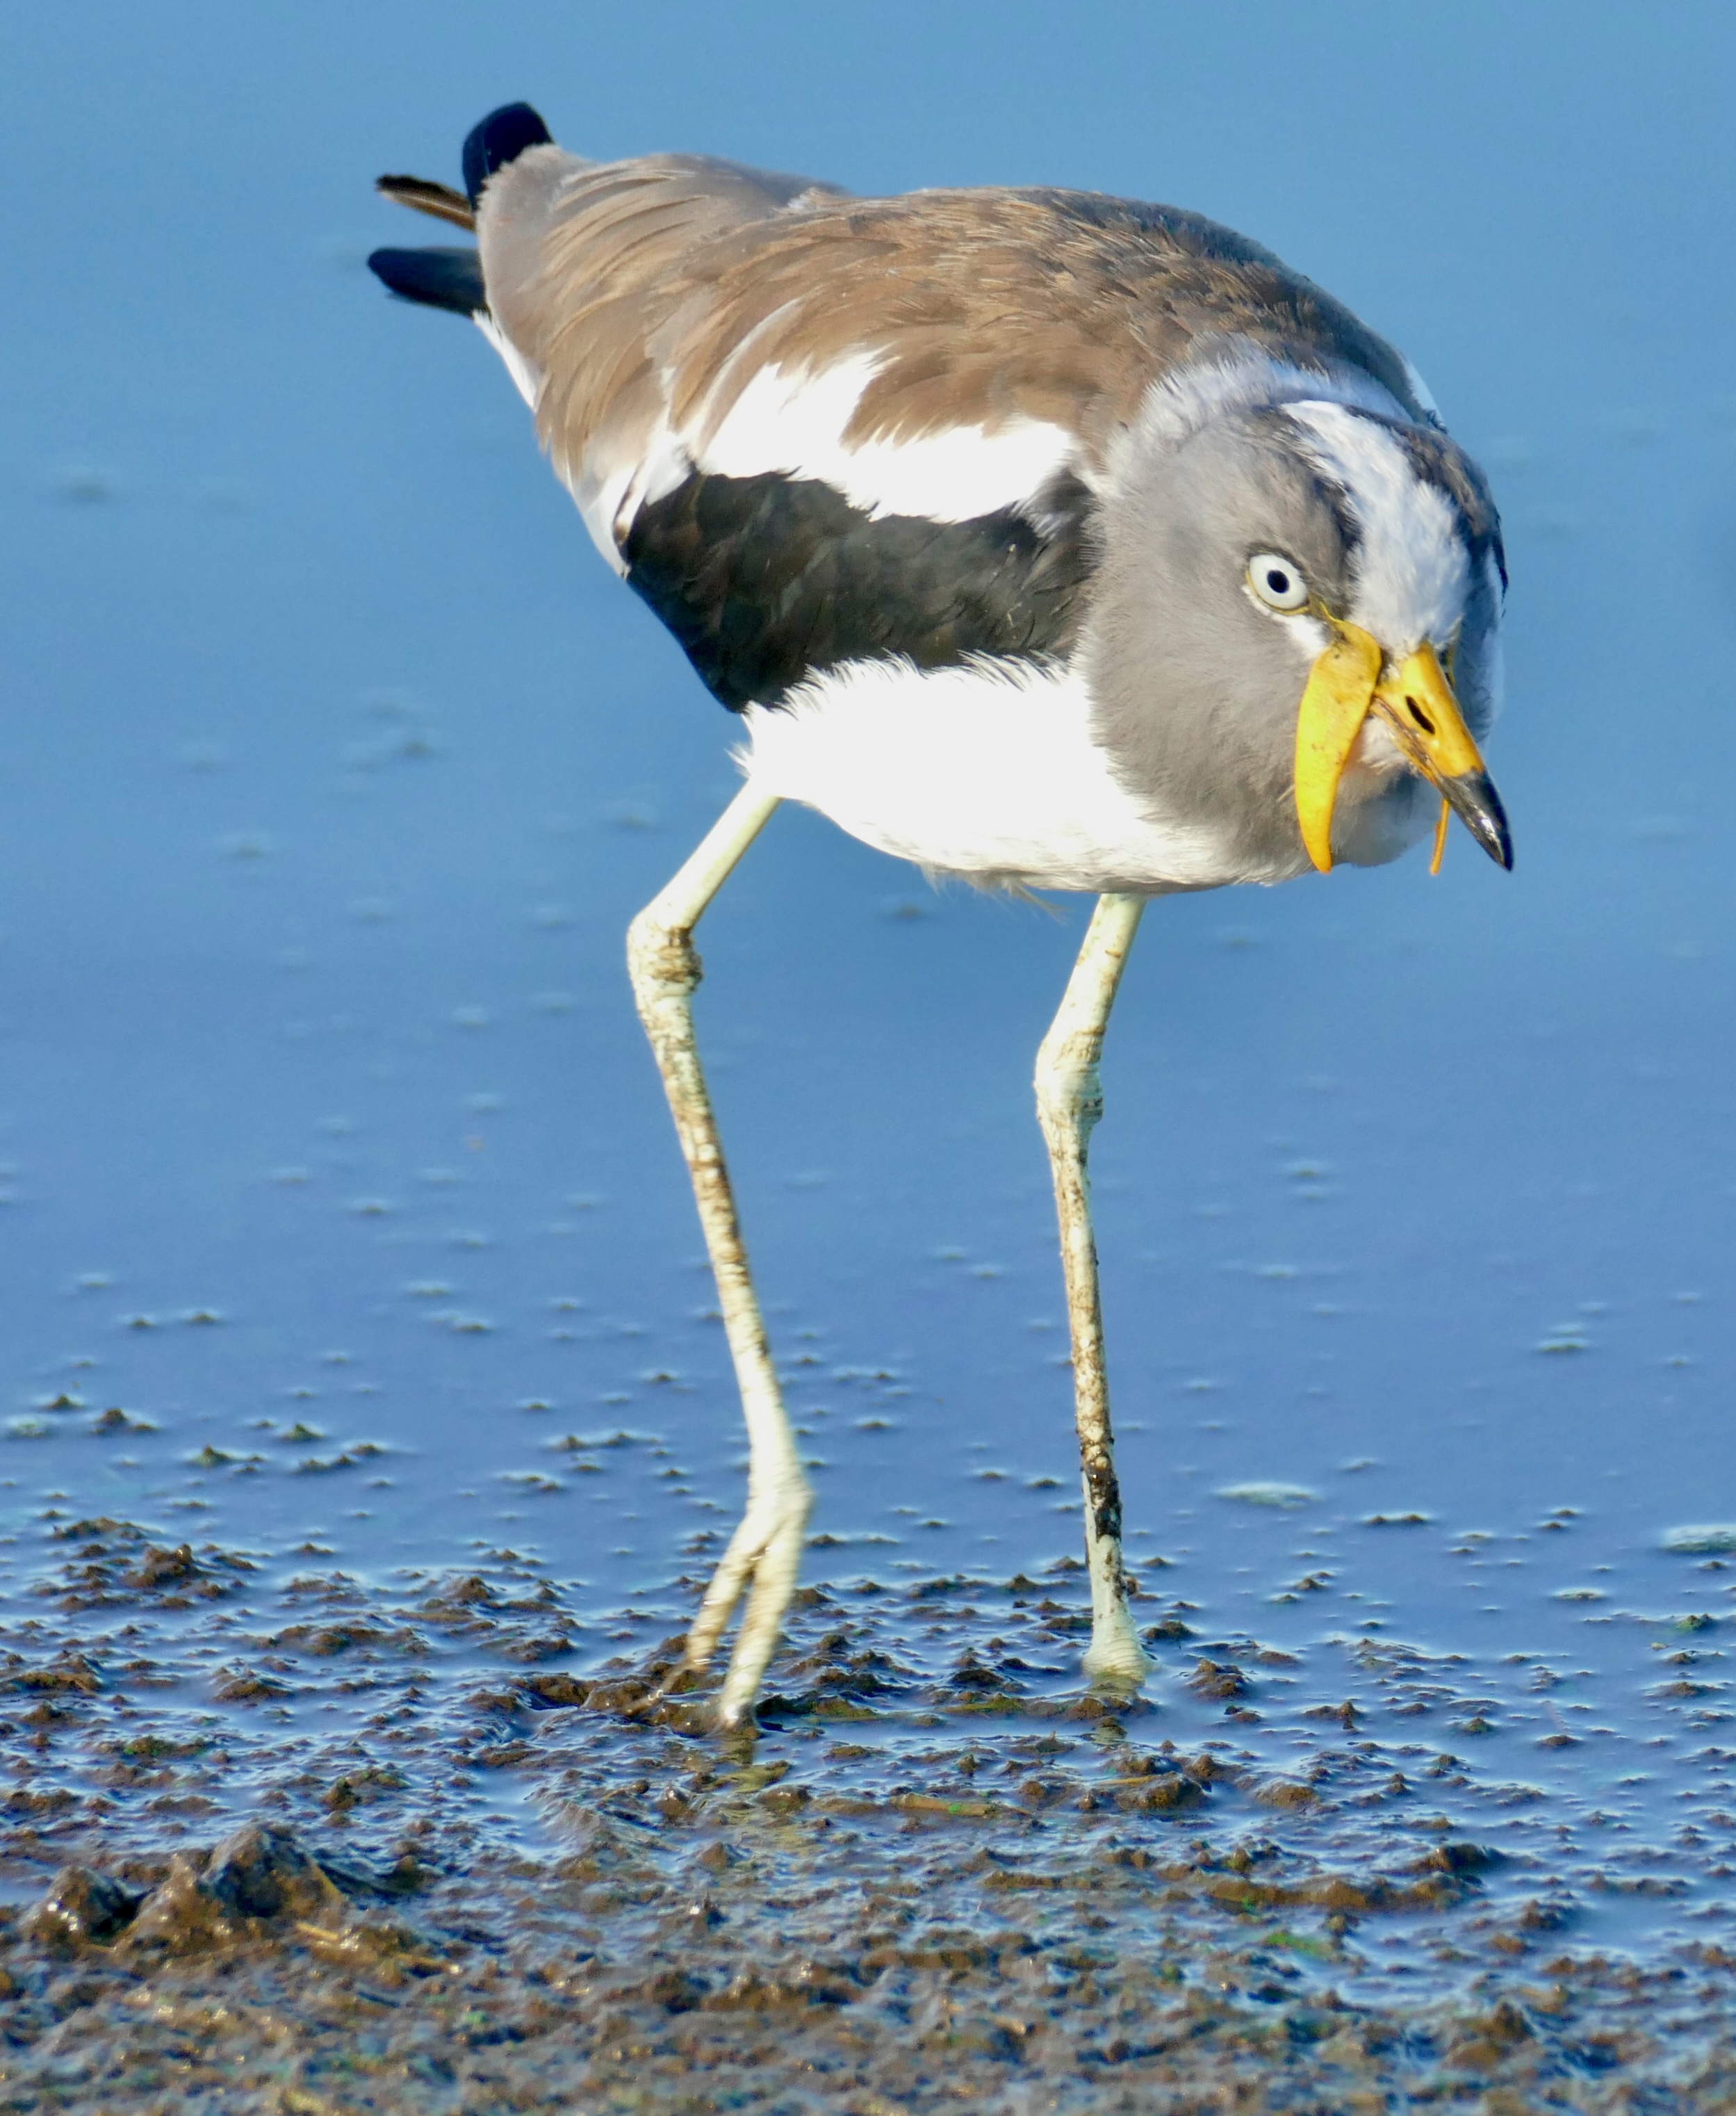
(1277,582)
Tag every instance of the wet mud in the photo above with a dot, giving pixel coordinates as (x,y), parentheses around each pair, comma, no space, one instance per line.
(274,1839)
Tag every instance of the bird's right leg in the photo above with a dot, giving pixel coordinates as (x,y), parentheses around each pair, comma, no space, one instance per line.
(1069,1102)
(766,1549)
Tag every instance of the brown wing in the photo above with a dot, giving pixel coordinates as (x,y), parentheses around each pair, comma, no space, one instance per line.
(650,291)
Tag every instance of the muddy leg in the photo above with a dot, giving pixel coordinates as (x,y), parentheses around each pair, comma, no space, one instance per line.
(1069,1102)
(766,1549)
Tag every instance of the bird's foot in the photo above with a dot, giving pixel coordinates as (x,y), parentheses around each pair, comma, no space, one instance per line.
(1115,1659)
(765,1557)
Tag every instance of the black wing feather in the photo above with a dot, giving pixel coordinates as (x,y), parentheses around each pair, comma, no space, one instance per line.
(766,580)
(438,278)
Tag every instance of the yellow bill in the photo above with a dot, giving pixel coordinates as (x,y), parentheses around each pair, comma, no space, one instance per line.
(1417,705)
(1341,689)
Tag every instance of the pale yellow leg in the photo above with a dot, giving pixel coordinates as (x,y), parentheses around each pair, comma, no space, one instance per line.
(1069,1102)
(766,1549)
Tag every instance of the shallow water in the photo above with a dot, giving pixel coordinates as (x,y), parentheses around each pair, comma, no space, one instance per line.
(334,767)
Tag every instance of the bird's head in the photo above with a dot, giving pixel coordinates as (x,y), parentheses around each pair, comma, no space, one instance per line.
(1297,644)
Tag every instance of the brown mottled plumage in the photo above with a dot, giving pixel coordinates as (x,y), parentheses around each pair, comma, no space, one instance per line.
(653,290)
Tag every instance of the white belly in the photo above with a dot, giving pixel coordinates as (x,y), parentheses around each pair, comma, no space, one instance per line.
(987,770)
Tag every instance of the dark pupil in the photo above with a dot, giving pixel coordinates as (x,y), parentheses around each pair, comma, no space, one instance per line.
(1279,583)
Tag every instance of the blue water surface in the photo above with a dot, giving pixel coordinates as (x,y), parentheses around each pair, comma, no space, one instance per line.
(332,765)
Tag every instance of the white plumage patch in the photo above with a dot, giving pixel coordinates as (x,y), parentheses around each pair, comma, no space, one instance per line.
(527,377)
(794,421)
(1413,570)
(1421,391)
(609,495)
(988,769)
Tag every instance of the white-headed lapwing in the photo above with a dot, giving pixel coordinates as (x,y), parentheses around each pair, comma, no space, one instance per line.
(1044,538)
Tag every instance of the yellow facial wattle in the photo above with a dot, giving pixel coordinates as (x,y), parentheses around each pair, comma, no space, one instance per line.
(1417,705)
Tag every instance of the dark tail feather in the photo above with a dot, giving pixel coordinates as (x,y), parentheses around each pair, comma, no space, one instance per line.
(440,200)
(438,278)
(453,278)
(501,137)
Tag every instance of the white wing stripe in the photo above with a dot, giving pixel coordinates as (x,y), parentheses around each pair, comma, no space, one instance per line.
(794,422)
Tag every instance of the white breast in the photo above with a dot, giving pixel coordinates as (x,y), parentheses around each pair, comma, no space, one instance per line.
(988,769)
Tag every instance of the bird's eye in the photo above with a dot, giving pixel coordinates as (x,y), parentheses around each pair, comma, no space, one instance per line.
(1277,582)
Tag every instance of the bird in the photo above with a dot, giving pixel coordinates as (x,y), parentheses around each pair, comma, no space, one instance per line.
(1050,540)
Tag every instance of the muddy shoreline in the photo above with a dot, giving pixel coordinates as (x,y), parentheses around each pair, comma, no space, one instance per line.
(288,1841)
(593,1984)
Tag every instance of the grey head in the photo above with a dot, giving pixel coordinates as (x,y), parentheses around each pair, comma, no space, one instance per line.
(1253,521)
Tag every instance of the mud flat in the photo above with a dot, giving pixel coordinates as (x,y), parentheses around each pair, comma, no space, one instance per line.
(276,1839)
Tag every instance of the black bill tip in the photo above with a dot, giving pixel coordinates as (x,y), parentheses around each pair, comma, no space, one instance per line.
(1477,805)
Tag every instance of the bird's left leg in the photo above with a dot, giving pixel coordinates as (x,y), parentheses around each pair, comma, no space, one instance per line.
(766,1549)
(1069,1102)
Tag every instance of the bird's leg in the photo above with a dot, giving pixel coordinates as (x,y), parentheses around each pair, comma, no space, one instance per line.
(766,1549)
(1069,1102)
